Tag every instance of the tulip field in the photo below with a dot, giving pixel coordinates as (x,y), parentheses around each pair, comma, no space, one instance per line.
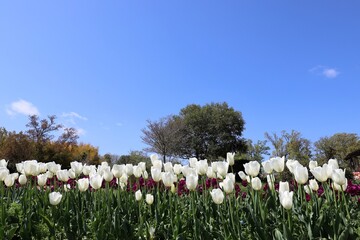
(171,201)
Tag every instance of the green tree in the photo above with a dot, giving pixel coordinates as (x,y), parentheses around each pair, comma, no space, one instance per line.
(211,131)
(134,157)
(255,152)
(291,145)
(338,146)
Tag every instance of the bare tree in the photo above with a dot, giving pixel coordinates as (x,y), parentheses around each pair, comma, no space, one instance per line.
(163,136)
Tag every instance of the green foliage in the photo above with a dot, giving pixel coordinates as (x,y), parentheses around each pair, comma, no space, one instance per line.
(339,146)
(211,131)
(254,152)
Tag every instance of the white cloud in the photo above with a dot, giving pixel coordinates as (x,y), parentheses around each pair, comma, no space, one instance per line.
(22,107)
(80,131)
(325,71)
(74,115)
(119,124)
(330,72)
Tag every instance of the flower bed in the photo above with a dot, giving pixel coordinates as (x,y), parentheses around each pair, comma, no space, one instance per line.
(200,201)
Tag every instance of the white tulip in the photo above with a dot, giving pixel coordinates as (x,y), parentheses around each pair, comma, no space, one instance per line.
(333,163)
(177,168)
(228,185)
(83,184)
(256,183)
(338,176)
(153,157)
(23,179)
(320,173)
(118,170)
(41,179)
(77,167)
(217,195)
(292,164)
(201,166)
(192,182)
(129,169)
(31,168)
(157,164)
(222,169)
(138,195)
(301,174)
(108,176)
(252,168)
(96,181)
(267,166)
(137,171)
(338,187)
(55,198)
(192,162)
(168,167)
(9,180)
(142,165)
(156,174)
(313,185)
(286,199)
(278,163)
(312,165)
(167,178)
(20,168)
(270,182)
(3,173)
(230,158)
(149,199)
(3,163)
(242,175)
(63,175)
(71,173)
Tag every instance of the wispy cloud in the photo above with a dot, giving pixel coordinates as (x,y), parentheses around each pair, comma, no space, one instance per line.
(80,131)
(325,71)
(22,107)
(74,115)
(119,124)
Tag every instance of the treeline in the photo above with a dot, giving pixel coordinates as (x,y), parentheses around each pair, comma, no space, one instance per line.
(39,143)
(210,131)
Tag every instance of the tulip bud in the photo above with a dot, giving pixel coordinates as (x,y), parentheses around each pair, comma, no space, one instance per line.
(177,168)
(256,183)
(137,171)
(228,185)
(9,180)
(192,162)
(230,158)
(338,176)
(129,168)
(142,165)
(338,187)
(222,168)
(22,179)
(96,181)
(149,199)
(292,164)
(192,182)
(210,173)
(201,167)
(108,176)
(138,195)
(41,179)
(301,174)
(63,175)
(267,167)
(286,199)
(252,168)
(278,163)
(83,184)
(168,167)
(217,195)
(156,174)
(153,158)
(313,185)
(118,170)
(77,167)
(307,189)
(173,188)
(167,178)
(3,163)
(55,198)
(312,165)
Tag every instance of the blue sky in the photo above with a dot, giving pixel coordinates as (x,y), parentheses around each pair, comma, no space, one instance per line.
(105,67)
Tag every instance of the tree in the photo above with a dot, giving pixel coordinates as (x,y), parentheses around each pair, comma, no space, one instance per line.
(211,131)
(163,136)
(255,151)
(41,132)
(339,146)
(17,147)
(134,157)
(291,145)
